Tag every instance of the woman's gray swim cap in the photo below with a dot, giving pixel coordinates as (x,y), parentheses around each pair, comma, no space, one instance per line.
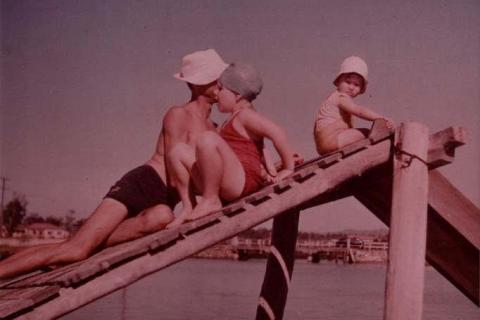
(243,79)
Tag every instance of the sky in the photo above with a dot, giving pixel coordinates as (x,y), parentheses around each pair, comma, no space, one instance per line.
(85,84)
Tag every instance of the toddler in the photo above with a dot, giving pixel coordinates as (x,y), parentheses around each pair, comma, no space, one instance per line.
(333,125)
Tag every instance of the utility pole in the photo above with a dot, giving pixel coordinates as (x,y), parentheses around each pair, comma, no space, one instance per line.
(4,180)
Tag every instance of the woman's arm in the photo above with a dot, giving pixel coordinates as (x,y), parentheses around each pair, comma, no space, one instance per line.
(263,127)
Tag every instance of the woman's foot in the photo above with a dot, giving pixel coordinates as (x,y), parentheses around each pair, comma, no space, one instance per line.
(205,207)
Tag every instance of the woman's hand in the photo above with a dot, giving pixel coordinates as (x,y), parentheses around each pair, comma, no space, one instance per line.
(298,159)
(282,174)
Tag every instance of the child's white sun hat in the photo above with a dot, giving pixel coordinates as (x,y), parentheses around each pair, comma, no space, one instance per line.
(201,67)
(356,65)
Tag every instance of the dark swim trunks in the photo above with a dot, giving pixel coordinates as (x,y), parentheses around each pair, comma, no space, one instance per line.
(139,189)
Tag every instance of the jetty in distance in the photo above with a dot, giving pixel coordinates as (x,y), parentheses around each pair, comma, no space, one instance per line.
(340,248)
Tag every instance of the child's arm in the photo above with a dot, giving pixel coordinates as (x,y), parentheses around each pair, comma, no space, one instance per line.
(263,127)
(348,105)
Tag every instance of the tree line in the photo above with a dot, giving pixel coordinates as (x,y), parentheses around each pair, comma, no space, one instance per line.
(15,213)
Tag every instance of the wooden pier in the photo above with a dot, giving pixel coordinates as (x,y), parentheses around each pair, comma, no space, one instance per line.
(449,228)
(313,251)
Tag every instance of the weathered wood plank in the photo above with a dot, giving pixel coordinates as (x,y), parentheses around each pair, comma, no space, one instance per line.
(458,210)
(13,300)
(110,256)
(354,147)
(280,262)
(45,278)
(443,144)
(408,226)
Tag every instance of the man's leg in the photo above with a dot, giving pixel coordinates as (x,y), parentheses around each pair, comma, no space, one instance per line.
(180,161)
(93,232)
(149,220)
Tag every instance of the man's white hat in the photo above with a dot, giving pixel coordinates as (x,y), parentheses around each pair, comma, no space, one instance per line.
(201,67)
(356,65)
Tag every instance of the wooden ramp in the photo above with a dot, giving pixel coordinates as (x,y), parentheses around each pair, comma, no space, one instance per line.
(46,295)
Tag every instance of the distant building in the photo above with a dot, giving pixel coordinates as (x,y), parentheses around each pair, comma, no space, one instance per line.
(40,230)
(3,231)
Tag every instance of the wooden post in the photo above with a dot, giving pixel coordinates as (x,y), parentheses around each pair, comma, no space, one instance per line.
(408,227)
(281,259)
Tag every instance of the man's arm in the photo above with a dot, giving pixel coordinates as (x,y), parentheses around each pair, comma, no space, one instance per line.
(174,128)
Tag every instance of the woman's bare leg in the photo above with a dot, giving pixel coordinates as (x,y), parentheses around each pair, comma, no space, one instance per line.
(219,171)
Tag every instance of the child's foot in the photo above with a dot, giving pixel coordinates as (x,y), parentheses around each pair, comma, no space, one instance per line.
(381,128)
(205,207)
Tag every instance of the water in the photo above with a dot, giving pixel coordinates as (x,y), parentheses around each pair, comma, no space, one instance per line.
(222,289)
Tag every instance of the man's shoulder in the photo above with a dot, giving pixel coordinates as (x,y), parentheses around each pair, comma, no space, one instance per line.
(175,113)
(176,110)
(175,119)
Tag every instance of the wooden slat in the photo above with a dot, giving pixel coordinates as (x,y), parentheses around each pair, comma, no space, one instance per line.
(354,147)
(105,259)
(45,278)
(13,300)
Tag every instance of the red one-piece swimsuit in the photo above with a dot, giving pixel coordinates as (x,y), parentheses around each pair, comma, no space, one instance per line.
(249,152)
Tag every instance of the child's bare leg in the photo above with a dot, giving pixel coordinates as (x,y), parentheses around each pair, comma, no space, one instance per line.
(92,233)
(180,161)
(220,173)
(350,136)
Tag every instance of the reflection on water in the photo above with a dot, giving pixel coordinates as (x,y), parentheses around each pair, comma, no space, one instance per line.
(222,289)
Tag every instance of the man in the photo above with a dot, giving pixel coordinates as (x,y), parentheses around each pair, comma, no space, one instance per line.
(139,203)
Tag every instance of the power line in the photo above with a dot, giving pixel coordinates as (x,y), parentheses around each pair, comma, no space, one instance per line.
(4,180)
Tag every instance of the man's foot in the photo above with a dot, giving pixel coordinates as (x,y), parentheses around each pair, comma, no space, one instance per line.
(182,217)
(205,207)
(175,223)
